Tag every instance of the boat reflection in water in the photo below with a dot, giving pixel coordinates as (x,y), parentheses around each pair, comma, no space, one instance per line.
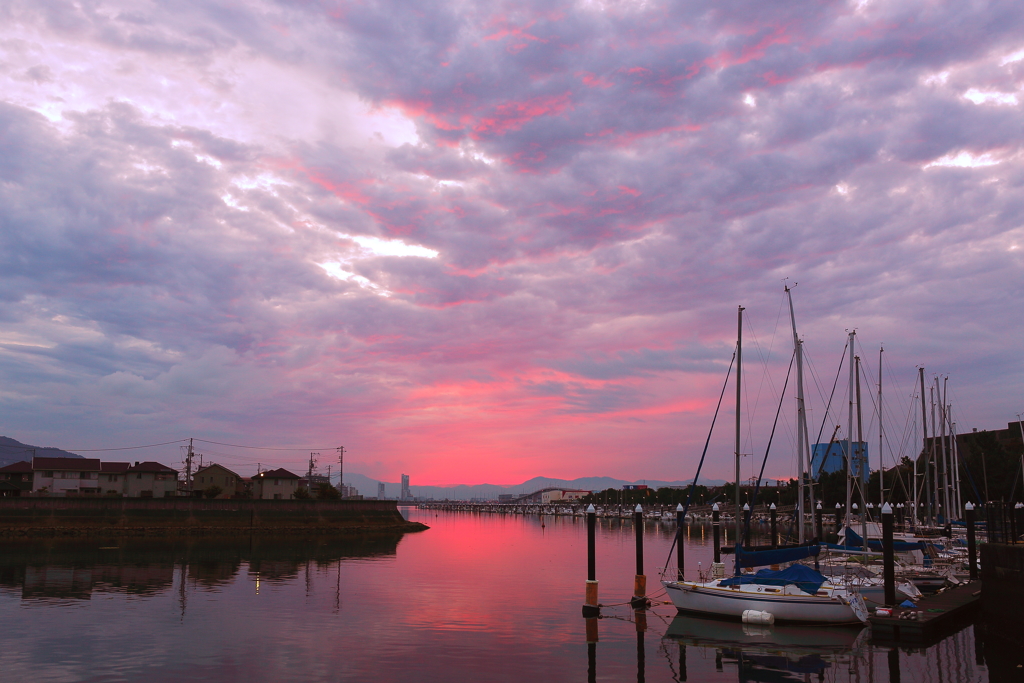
(762,652)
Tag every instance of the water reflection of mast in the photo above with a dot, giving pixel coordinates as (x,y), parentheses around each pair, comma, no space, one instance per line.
(337,591)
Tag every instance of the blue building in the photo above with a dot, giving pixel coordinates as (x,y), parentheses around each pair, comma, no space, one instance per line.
(825,459)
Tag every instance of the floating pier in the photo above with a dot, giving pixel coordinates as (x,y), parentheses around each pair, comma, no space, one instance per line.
(933,615)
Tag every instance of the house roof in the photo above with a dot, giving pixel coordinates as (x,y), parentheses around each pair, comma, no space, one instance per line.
(114,466)
(279,473)
(67,464)
(215,466)
(17,467)
(150,467)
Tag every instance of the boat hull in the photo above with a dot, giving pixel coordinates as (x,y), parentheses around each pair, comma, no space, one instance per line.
(711,600)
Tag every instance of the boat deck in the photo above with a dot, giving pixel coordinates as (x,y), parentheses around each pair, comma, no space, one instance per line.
(933,615)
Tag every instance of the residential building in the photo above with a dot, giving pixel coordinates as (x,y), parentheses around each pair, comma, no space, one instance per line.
(150,480)
(229,483)
(279,484)
(17,477)
(65,476)
(315,481)
(112,478)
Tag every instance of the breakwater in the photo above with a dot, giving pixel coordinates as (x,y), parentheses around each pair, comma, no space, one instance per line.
(172,516)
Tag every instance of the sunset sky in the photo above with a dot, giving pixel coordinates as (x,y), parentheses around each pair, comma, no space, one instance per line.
(484,241)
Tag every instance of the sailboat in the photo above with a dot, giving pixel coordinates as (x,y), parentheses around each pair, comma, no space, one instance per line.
(795,594)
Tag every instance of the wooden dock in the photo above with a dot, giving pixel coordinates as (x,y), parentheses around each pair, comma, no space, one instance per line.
(933,616)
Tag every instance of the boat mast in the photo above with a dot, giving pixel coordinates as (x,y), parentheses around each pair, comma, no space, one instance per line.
(739,386)
(944,452)
(935,462)
(924,451)
(802,437)
(849,438)
(881,463)
(862,465)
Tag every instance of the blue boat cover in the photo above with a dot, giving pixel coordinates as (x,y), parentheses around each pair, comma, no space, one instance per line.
(762,558)
(802,576)
(855,542)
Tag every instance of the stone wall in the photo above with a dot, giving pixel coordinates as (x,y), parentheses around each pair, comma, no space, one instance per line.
(42,516)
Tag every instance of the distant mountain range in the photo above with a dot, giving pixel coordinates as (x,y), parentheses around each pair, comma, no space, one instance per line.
(12,451)
(368,487)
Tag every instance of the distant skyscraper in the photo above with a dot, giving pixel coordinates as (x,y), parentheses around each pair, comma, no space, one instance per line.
(406,495)
(380,490)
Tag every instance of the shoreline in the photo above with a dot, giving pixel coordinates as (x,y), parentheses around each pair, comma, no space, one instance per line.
(181,517)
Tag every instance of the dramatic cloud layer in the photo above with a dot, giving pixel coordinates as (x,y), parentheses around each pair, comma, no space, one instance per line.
(482,241)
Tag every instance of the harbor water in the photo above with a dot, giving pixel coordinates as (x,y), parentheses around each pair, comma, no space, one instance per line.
(477,597)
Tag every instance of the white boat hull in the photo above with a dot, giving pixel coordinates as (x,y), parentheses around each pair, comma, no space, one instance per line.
(832,607)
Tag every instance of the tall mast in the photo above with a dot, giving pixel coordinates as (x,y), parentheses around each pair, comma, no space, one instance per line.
(802,440)
(944,452)
(739,386)
(862,465)
(935,462)
(955,453)
(849,437)
(924,450)
(881,463)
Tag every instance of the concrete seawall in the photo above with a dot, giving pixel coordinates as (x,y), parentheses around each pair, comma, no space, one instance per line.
(170,516)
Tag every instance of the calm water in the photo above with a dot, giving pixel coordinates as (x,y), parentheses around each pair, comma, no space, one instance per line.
(475,598)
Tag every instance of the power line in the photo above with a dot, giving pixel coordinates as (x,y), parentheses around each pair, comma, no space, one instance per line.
(125,448)
(265,448)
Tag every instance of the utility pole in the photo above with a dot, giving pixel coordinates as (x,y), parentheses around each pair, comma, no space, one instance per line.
(188,469)
(341,470)
(312,465)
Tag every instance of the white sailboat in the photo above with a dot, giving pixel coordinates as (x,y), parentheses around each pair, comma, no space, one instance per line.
(795,594)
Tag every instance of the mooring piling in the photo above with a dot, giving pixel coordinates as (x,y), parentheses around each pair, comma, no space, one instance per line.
(680,521)
(591,607)
(716,532)
(888,556)
(773,512)
(640,582)
(972,542)
(745,541)
(819,528)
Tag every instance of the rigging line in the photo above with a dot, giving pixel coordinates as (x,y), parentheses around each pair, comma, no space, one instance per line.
(679,529)
(267,448)
(817,384)
(768,448)
(765,375)
(828,407)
